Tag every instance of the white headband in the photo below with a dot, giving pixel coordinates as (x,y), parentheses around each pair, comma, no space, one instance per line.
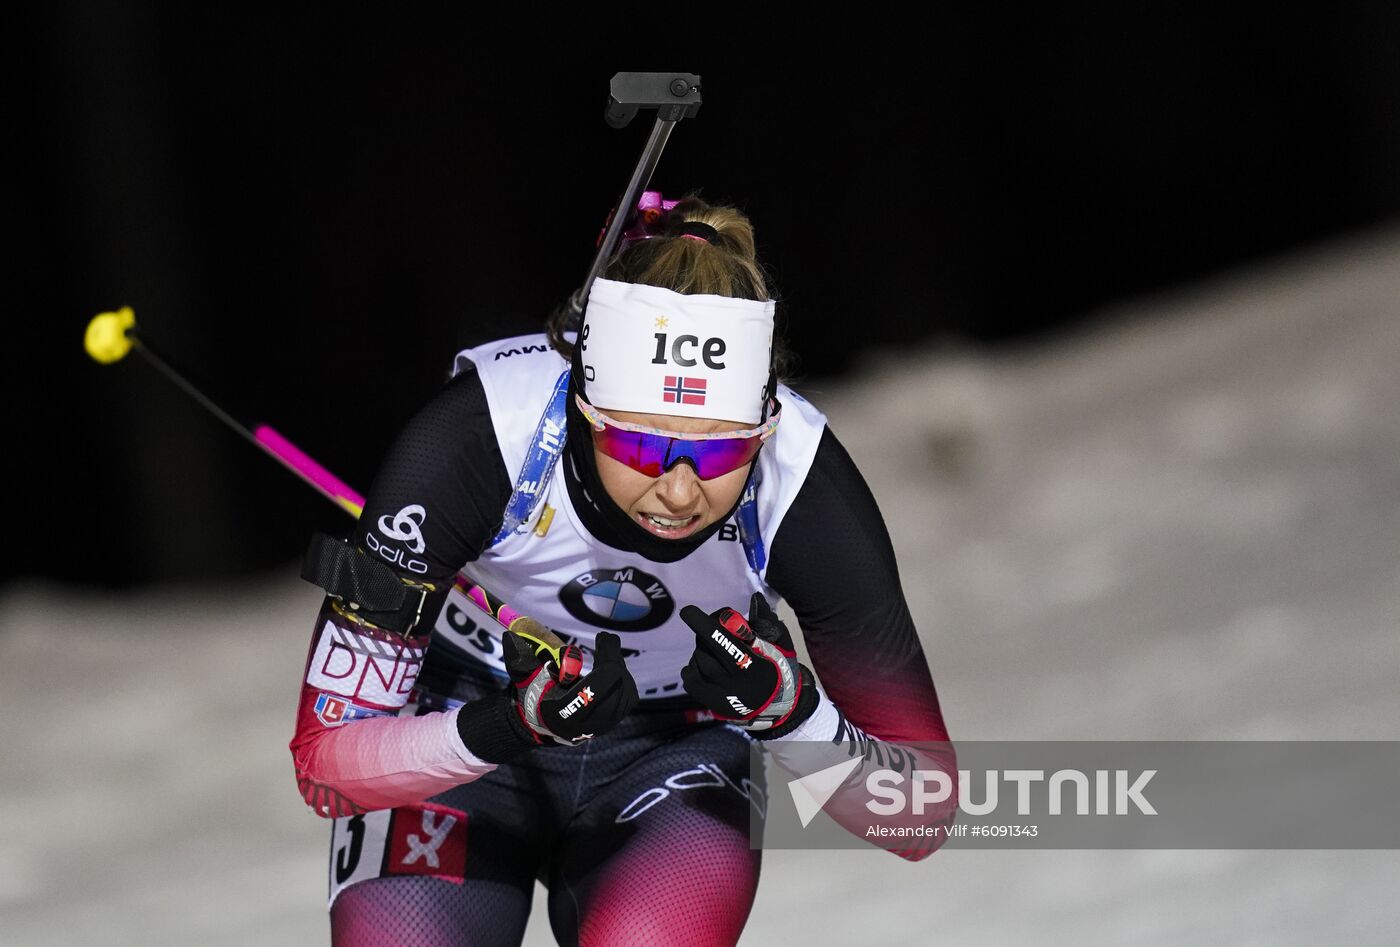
(656,351)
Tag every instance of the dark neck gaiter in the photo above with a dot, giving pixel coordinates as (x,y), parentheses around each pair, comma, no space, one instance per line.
(601,516)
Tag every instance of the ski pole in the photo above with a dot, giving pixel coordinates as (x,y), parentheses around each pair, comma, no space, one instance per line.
(111,336)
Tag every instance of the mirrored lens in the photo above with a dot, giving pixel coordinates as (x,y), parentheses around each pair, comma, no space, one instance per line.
(654,454)
(715,458)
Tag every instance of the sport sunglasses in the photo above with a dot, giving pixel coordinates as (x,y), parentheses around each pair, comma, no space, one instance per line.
(652,451)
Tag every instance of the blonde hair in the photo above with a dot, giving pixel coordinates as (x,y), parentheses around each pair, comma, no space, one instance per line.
(725,265)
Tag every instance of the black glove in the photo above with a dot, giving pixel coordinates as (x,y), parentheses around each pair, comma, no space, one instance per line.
(746,671)
(549,700)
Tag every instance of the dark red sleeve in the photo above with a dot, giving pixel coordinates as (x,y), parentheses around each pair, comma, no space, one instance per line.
(352,751)
(833,562)
(434,505)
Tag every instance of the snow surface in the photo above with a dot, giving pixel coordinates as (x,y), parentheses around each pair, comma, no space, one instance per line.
(1181,524)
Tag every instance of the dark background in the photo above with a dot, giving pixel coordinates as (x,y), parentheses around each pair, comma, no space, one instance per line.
(312,210)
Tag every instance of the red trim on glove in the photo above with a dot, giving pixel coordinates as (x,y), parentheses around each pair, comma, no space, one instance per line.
(736,624)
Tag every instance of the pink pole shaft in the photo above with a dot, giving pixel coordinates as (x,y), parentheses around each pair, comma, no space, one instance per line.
(318,476)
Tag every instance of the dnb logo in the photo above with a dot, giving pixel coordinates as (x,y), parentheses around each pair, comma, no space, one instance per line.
(618,599)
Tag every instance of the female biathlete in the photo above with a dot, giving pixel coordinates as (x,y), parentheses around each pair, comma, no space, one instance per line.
(647,489)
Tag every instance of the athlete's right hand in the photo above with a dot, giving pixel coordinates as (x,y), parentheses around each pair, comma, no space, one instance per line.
(549,701)
(556,703)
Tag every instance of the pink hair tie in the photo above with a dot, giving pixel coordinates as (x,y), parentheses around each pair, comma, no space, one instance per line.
(697,230)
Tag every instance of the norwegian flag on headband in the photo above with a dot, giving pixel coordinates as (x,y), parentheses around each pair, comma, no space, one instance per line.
(679,390)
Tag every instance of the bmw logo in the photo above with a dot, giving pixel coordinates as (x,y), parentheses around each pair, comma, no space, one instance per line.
(618,599)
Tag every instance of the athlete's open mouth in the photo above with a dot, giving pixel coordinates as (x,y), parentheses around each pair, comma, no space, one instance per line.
(669,527)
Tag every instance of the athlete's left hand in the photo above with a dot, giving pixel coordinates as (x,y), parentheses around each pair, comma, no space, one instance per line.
(746,671)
